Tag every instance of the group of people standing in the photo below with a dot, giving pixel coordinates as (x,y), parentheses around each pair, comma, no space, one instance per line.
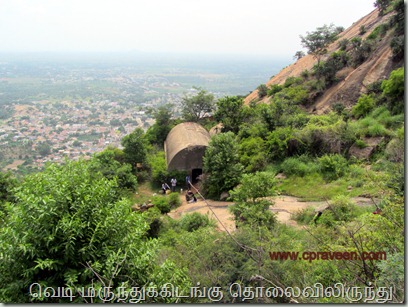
(165,186)
(173,182)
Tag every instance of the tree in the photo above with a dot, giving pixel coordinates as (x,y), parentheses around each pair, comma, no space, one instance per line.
(157,133)
(360,51)
(298,55)
(134,144)
(262,91)
(382,5)
(67,224)
(44,149)
(394,89)
(316,42)
(230,112)
(221,164)
(7,183)
(252,206)
(196,107)
(253,154)
(158,167)
(110,164)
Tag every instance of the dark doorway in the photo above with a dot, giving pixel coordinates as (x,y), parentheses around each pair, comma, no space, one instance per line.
(195,173)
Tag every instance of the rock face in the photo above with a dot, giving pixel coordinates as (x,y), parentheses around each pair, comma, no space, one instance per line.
(353,80)
(368,150)
(224,196)
(142,207)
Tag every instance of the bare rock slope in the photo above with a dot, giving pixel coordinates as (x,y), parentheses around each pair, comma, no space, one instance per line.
(378,66)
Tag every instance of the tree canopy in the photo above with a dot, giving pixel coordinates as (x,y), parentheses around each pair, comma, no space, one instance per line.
(195,108)
(221,163)
(316,42)
(135,147)
(157,133)
(69,228)
(230,111)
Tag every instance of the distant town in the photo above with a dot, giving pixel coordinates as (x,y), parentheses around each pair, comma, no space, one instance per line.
(52,108)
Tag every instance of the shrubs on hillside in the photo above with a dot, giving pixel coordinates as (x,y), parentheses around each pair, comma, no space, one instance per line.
(365,105)
(194,221)
(331,166)
(166,203)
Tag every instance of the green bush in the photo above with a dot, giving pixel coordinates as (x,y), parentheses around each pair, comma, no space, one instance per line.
(361,50)
(174,200)
(7,184)
(304,216)
(298,166)
(398,47)
(162,204)
(356,171)
(292,166)
(305,74)
(315,85)
(383,116)
(395,148)
(68,223)
(338,108)
(296,94)
(343,44)
(292,81)
(369,126)
(277,142)
(335,62)
(343,208)
(379,31)
(365,105)
(360,144)
(394,89)
(262,91)
(194,221)
(158,167)
(374,88)
(273,89)
(377,130)
(221,163)
(252,154)
(332,166)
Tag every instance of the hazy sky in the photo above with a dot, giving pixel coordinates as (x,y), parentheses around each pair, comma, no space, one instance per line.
(253,27)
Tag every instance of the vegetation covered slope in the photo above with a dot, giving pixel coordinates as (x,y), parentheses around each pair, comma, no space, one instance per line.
(373,47)
(72,226)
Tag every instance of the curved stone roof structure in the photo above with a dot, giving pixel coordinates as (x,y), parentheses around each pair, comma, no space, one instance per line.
(185,146)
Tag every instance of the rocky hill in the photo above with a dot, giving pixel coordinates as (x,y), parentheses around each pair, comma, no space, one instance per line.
(351,81)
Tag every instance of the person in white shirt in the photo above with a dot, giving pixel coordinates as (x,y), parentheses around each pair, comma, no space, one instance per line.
(173,184)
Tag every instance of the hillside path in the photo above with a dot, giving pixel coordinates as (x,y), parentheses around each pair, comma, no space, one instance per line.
(284,207)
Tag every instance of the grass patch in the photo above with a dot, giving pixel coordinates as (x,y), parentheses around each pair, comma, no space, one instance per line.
(314,187)
(145,192)
(304,216)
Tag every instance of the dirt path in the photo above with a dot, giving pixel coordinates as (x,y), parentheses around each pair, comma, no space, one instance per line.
(219,208)
(284,207)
